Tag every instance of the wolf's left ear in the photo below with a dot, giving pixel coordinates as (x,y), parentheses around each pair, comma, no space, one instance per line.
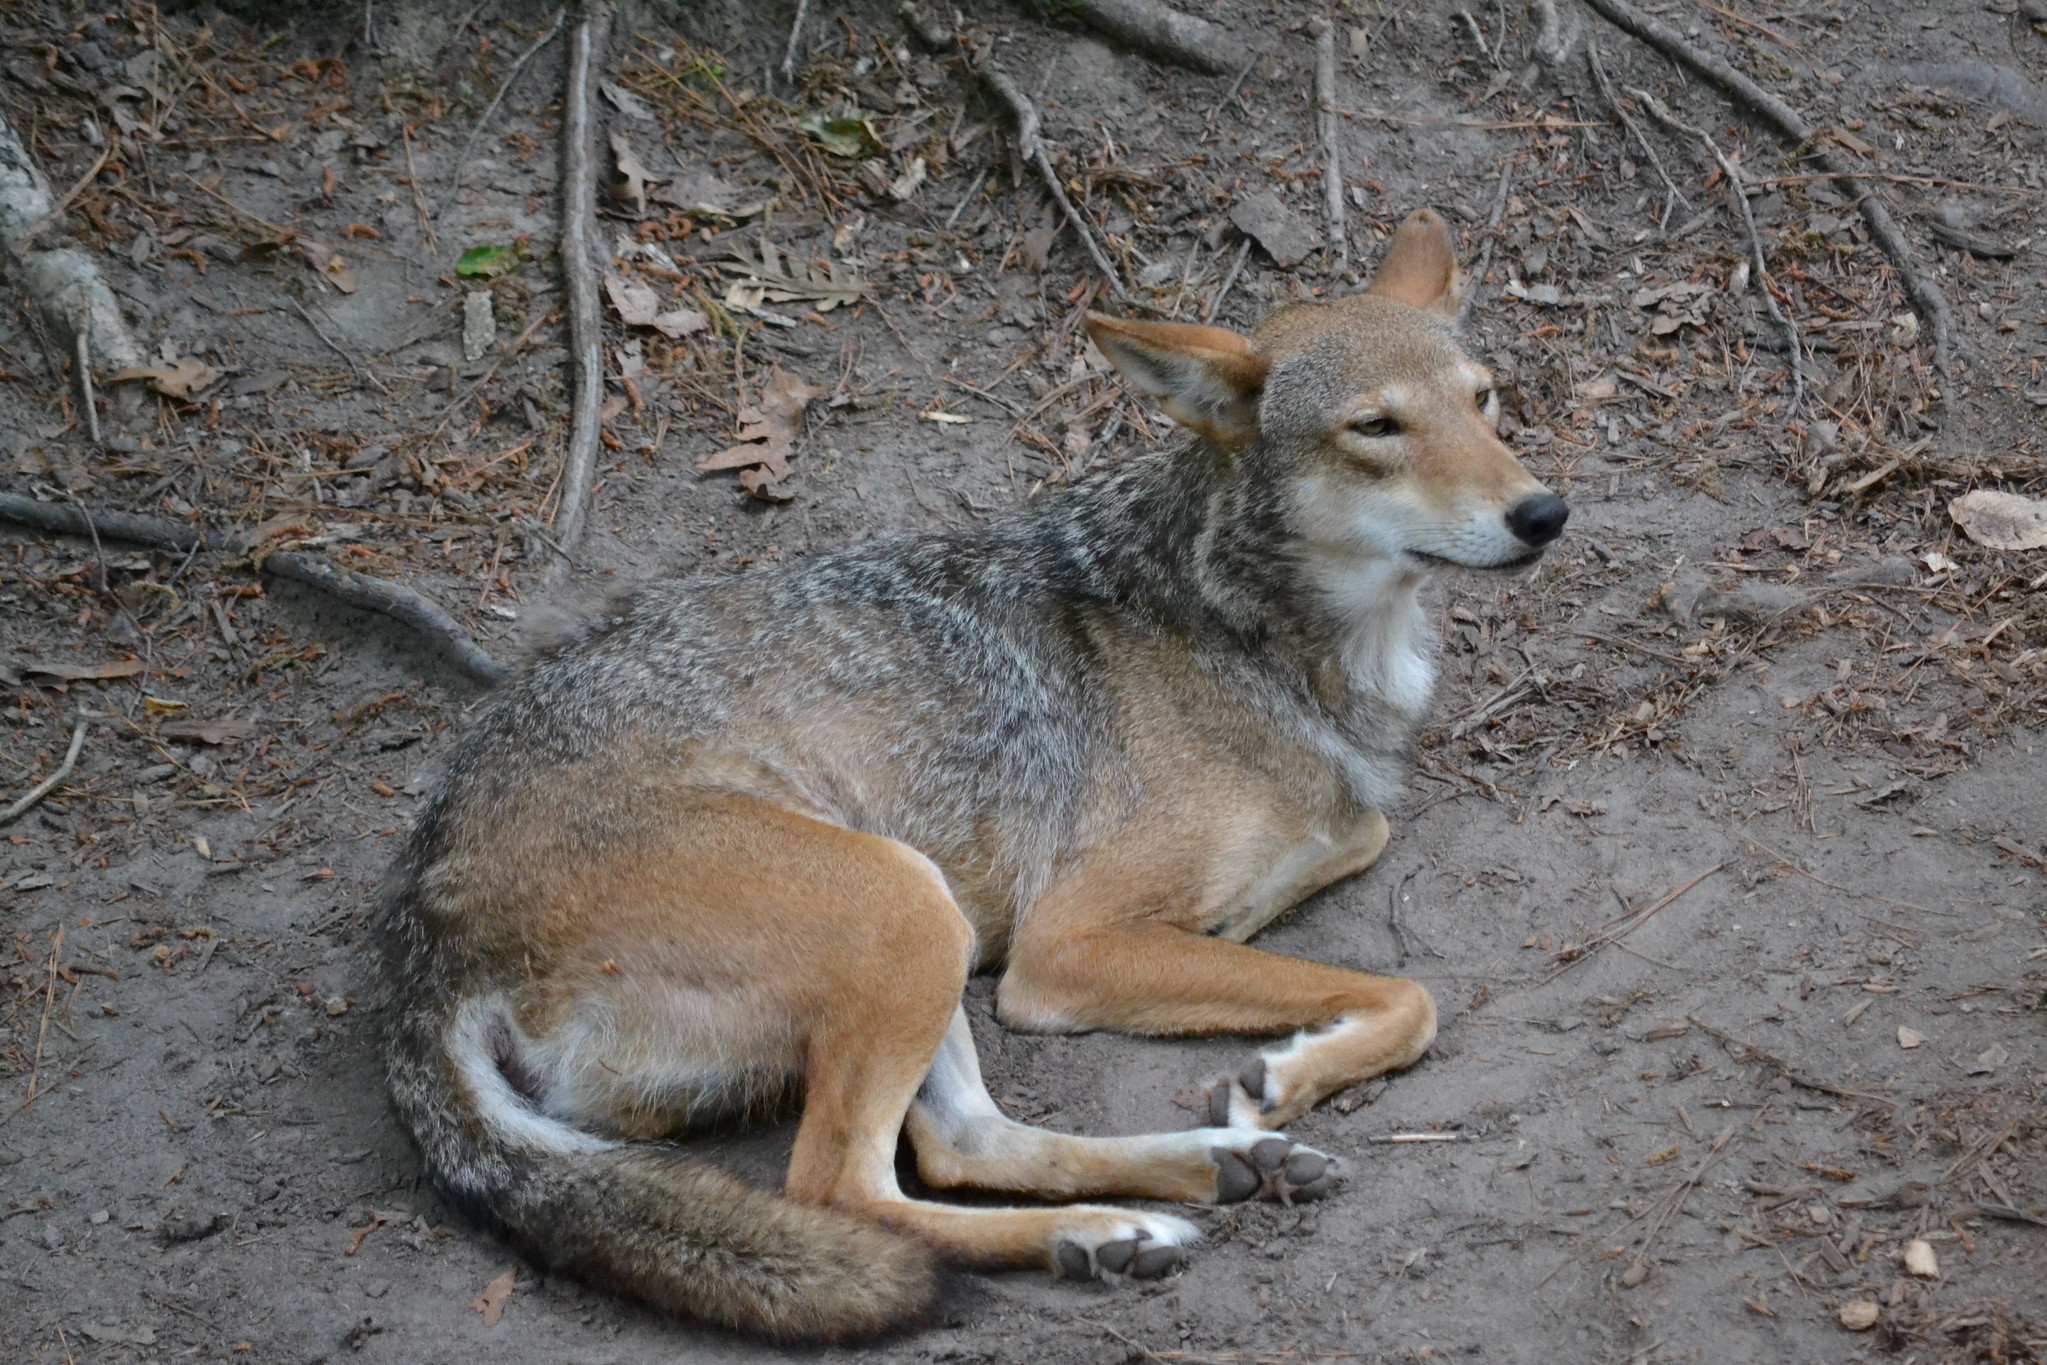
(1206,379)
(1420,269)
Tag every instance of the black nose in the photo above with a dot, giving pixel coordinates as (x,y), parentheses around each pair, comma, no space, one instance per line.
(1538,518)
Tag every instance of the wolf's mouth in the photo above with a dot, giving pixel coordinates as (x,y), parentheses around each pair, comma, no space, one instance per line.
(1520,561)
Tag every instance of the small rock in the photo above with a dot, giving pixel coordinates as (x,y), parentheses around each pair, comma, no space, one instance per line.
(1909,1038)
(1285,235)
(1859,1315)
(1920,1260)
(479,325)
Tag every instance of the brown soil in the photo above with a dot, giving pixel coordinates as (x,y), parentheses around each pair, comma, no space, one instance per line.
(1763,654)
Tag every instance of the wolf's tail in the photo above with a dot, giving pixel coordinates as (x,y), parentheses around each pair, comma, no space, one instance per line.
(638,1218)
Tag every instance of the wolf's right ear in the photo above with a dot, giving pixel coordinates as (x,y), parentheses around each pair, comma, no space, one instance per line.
(1207,379)
(1420,269)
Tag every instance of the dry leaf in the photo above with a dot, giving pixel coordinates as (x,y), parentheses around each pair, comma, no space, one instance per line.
(491,1302)
(639,306)
(126,668)
(1859,1315)
(772,278)
(2001,521)
(631,177)
(767,435)
(626,102)
(175,378)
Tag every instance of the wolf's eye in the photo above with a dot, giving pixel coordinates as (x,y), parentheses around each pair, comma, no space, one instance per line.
(1487,398)
(1375,426)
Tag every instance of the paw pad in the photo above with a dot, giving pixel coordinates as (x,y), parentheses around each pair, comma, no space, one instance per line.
(1273,1168)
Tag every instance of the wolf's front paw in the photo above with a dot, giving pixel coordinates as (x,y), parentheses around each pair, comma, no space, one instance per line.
(1114,1245)
(1239,1101)
(1273,1168)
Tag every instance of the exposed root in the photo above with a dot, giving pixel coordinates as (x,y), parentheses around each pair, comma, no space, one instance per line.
(1925,294)
(1158,29)
(394,600)
(579,271)
(62,280)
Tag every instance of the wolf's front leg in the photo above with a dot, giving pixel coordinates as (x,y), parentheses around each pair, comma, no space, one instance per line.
(1150,977)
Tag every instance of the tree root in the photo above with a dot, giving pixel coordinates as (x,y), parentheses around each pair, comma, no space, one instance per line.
(1926,296)
(579,271)
(394,600)
(1157,29)
(62,280)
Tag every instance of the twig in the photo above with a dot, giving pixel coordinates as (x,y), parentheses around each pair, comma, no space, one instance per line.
(426,217)
(1833,886)
(1671,193)
(50,990)
(1925,294)
(1030,145)
(1786,1069)
(1592,949)
(1229,281)
(1638,1269)
(334,345)
(1390,1138)
(1739,195)
(579,271)
(795,40)
(1630,644)
(394,600)
(469,144)
(64,200)
(81,351)
(1492,236)
(43,789)
(1231,93)
(1327,125)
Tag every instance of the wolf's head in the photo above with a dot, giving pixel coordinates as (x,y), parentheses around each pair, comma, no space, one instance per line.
(1377,426)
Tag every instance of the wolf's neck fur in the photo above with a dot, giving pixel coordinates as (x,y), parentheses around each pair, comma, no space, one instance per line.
(1203,543)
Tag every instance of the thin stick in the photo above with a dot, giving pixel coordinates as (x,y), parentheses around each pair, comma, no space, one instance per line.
(1030,145)
(49,999)
(1672,194)
(1638,1269)
(1592,949)
(1925,294)
(1231,93)
(1229,281)
(469,144)
(48,784)
(579,271)
(1492,236)
(1419,1137)
(1786,1069)
(1327,125)
(81,346)
(795,40)
(336,346)
(64,202)
(1833,886)
(1739,196)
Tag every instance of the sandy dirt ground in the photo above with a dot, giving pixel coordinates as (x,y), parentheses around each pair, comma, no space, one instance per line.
(1723,858)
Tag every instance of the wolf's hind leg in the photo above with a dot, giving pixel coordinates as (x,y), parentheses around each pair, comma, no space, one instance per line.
(883,954)
(963,1140)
